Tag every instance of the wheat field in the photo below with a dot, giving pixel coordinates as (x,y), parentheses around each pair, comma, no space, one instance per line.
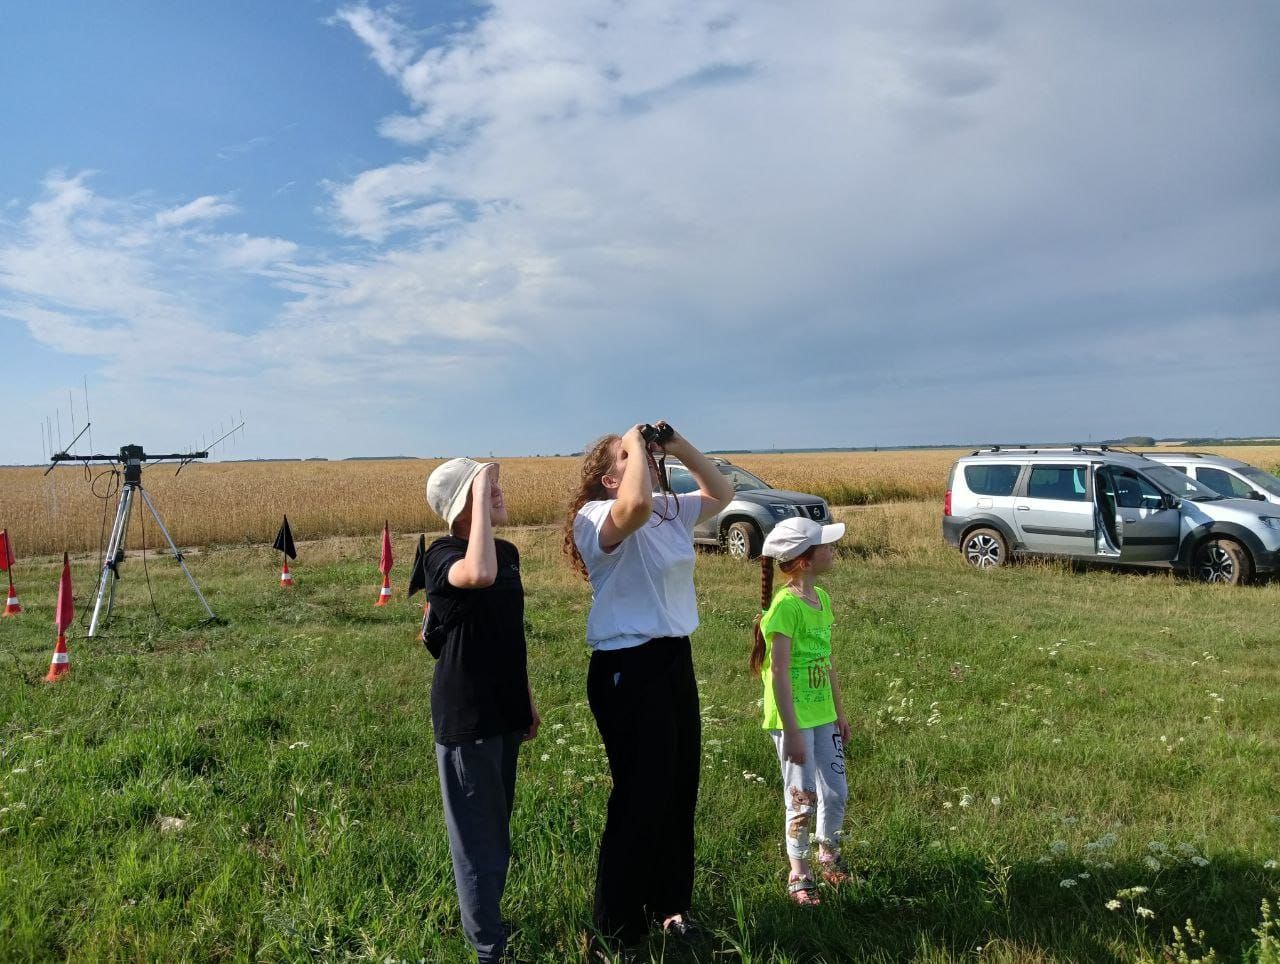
(228,503)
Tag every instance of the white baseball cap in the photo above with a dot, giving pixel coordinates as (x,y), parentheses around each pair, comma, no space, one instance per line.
(449,485)
(793,537)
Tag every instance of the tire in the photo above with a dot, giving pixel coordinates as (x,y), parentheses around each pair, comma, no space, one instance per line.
(985,548)
(1224,561)
(742,540)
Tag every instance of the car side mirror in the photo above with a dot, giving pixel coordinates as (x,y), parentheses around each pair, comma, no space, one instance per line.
(1257,496)
(1169,501)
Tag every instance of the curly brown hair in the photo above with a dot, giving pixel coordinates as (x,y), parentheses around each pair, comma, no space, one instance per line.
(595,463)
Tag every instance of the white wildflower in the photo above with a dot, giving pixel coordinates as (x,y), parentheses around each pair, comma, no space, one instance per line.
(1068,883)
(1113,904)
(1144,912)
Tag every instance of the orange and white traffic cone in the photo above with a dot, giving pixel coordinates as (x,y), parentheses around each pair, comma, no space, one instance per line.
(12,607)
(384,596)
(60,665)
(286,577)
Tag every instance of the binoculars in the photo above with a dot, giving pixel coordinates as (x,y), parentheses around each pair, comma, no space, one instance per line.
(659,434)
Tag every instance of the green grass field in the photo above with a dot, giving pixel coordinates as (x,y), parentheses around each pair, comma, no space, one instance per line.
(1028,743)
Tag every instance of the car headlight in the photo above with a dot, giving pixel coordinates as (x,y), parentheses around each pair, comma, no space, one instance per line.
(1270,521)
(782,511)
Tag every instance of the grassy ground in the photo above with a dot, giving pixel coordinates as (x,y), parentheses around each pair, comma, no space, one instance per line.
(1028,742)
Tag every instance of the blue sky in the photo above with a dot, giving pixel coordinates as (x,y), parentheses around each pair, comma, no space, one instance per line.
(512,227)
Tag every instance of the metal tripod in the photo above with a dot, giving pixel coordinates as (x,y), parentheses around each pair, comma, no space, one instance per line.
(119,532)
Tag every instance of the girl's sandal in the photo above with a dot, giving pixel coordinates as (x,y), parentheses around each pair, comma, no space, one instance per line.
(803,891)
(834,870)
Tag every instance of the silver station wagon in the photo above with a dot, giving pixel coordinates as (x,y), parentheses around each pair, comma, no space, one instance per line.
(1226,476)
(1100,505)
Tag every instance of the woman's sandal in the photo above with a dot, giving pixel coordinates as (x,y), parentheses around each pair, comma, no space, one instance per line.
(803,890)
(834,870)
(681,926)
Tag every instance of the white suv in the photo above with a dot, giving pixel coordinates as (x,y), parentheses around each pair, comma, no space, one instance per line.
(1226,476)
(1104,506)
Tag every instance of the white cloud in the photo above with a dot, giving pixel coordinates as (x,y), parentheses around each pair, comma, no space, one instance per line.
(896,193)
(207,208)
(106,278)
(244,251)
(381,34)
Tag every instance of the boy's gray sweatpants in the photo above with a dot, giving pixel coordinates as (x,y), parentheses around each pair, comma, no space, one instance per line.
(478,785)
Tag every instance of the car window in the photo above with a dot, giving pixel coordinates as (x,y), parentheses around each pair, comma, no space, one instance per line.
(991,479)
(1224,483)
(682,480)
(743,481)
(1062,482)
(1263,480)
(1184,469)
(1135,492)
(1180,485)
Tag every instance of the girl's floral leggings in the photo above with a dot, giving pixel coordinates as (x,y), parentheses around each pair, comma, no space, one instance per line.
(815,788)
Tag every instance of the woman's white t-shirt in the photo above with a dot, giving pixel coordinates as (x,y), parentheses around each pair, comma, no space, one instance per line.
(643,589)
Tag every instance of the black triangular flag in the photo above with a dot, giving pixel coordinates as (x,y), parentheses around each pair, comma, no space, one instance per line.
(284,540)
(418,578)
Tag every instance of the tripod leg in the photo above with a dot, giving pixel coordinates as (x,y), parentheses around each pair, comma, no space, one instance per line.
(176,554)
(115,545)
(120,549)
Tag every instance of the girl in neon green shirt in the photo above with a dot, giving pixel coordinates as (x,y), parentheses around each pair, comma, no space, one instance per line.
(802,705)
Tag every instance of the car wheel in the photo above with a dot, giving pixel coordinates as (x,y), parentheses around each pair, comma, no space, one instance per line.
(985,549)
(1223,560)
(742,540)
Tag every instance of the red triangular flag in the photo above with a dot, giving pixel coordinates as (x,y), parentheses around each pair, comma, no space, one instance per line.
(6,551)
(65,614)
(384,564)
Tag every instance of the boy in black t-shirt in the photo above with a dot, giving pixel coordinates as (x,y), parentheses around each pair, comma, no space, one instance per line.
(481,704)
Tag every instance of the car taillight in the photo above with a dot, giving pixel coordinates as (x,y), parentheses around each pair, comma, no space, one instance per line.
(946,504)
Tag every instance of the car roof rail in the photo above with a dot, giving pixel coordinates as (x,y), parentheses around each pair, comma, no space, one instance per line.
(1125,451)
(1076,448)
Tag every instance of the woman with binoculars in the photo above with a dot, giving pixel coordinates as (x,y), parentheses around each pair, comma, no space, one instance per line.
(636,548)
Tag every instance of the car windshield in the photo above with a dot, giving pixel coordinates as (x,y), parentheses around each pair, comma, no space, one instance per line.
(1263,480)
(1183,486)
(743,481)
